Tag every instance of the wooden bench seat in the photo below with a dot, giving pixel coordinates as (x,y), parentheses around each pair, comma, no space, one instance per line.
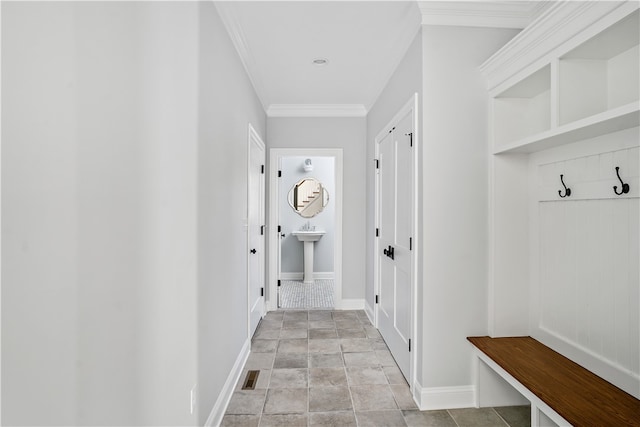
(576,394)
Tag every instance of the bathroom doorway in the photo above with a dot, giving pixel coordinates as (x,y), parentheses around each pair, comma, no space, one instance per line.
(306,224)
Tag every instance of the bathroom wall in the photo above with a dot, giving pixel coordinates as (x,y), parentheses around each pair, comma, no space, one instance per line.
(349,134)
(292,252)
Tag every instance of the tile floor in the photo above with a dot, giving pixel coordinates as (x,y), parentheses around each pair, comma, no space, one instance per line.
(332,368)
(294,294)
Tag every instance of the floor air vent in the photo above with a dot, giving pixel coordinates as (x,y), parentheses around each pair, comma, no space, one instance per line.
(250,380)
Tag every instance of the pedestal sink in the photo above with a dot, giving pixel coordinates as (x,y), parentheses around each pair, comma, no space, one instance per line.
(308,237)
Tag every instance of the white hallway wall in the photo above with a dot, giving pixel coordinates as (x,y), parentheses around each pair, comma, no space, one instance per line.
(124,143)
(228,104)
(348,134)
(441,66)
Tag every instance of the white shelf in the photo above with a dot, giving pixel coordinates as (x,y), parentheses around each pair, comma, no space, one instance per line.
(625,117)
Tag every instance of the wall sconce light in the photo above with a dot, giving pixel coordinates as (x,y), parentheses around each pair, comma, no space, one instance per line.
(308,166)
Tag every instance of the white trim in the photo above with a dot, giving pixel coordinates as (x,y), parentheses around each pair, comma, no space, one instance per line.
(275,155)
(494,14)
(220,407)
(557,30)
(234,29)
(370,312)
(320,275)
(350,304)
(316,110)
(432,398)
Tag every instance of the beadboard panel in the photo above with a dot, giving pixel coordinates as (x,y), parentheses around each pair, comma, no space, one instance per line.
(587,281)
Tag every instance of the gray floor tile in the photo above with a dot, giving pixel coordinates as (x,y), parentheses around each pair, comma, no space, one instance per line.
(327,377)
(320,315)
(285,420)
(274,315)
(264,346)
(372,397)
(324,346)
(323,360)
(326,399)
(293,333)
(351,333)
(394,375)
(366,375)
(476,417)
(403,396)
(385,358)
(295,324)
(322,324)
(270,324)
(378,345)
(260,361)
(332,419)
(246,402)
(293,346)
(355,345)
(267,334)
(291,360)
(286,401)
(289,378)
(380,419)
(296,315)
(240,421)
(368,358)
(428,419)
(515,416)
(322,334)
(346,323)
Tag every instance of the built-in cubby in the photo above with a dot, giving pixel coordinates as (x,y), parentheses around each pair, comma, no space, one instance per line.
(589,89)
(524,109)
(601,74)
(563,94)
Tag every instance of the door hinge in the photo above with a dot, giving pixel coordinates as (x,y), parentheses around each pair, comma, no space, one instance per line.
(261,292)
(279,282)
(279,228)
(409,344)
(279,174)
(377,163)
(410,243)
(377,299)
(410,135)
(377,232)
(261,168)
(262,230)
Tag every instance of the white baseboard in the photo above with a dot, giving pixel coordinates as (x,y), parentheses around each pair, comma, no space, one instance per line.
(217,413)
(432,398)
(326,275)
(350,304)
(370,313)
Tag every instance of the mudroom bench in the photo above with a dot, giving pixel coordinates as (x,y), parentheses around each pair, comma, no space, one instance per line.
(560,391)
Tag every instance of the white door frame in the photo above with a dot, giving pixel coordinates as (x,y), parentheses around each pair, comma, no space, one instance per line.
(412,104)
(275,156)
(254,138)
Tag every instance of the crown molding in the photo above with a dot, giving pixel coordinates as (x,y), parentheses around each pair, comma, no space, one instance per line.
(316,110)
(547,34)
(494,14)
(239,42)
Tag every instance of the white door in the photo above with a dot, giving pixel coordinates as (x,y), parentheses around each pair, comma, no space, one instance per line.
(395,203)
(256,230)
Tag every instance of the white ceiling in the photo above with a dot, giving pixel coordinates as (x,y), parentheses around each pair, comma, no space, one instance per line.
(362,40)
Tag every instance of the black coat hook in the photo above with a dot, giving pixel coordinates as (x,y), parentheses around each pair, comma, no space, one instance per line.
(567,191)
(625,187)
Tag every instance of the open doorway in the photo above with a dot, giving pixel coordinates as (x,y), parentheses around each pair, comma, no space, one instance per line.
(306,220)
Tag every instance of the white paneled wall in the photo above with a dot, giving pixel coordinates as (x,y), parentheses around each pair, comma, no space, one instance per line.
(586,259)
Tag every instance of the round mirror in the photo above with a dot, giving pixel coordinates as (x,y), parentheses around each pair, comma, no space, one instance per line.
(308,197)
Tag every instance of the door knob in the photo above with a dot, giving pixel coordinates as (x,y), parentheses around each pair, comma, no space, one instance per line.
(253,251)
